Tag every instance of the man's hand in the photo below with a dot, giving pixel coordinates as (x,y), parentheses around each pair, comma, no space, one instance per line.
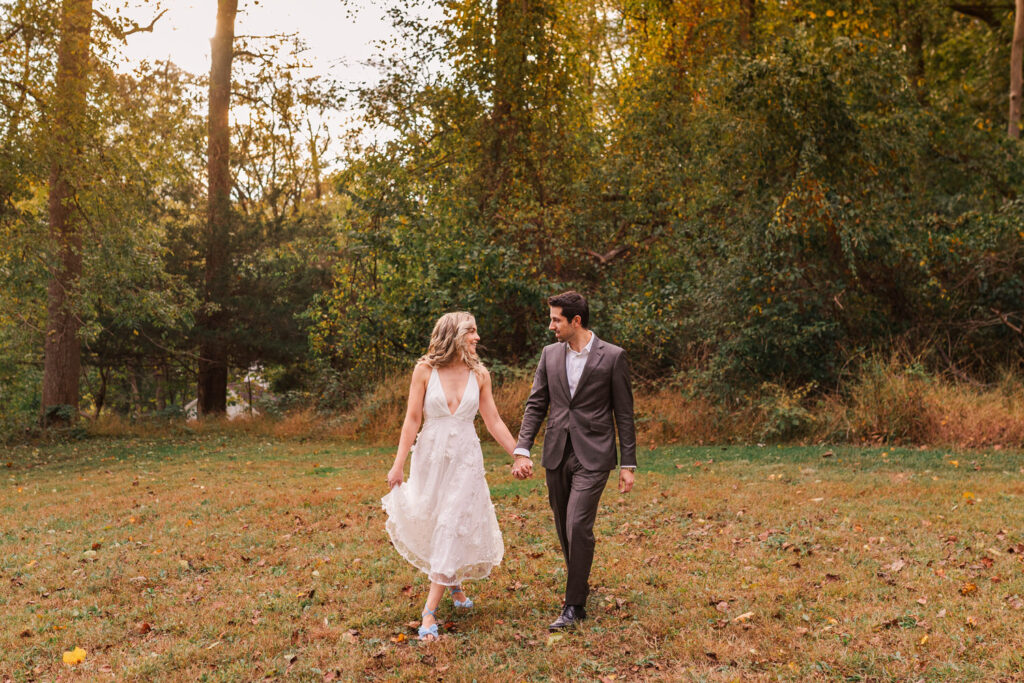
(522,467)
(626,477)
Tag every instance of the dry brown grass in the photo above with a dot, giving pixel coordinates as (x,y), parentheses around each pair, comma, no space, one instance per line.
(893,404)
(886,404)
(243,557)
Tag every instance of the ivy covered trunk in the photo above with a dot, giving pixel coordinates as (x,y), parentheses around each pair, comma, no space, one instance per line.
(213,354)
(1016,56)
(62,362)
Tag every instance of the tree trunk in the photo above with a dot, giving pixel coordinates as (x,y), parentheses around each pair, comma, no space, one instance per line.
(101,395)
(748,13)
(915,46)
(213,357)
(136,396)
(160,393)
(1016,55)
(507,58)
(62,350)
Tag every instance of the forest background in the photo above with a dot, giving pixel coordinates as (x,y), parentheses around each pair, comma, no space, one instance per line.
(800,218)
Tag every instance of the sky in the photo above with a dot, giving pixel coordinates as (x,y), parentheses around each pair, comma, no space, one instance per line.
(340,33)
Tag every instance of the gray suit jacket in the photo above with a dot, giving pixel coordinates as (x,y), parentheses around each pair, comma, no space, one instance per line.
(603,402)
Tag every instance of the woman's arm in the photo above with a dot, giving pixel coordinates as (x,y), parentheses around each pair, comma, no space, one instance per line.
(492,419)
(413,420)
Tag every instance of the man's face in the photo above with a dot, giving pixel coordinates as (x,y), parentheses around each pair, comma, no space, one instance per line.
(564,329)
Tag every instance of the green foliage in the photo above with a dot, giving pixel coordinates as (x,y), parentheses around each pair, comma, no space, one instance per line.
(755,196)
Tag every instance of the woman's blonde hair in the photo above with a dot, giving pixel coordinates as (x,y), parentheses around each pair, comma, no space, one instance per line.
(448,342)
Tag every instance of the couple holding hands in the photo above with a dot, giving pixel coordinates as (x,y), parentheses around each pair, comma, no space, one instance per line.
(442,520)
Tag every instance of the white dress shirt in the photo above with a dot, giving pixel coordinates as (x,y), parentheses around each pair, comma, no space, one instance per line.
(575,361)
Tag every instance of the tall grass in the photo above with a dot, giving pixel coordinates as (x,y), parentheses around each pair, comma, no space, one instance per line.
(886,402)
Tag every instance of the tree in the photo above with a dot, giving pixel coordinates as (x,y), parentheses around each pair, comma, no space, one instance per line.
(213,355)
(1016,66)
(62,347)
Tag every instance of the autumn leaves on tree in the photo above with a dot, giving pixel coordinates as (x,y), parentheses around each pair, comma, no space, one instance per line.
(754,192)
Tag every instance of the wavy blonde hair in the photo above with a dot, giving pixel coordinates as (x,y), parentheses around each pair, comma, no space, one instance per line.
(448,342)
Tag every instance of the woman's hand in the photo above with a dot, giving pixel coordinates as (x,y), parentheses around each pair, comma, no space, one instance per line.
(394,477)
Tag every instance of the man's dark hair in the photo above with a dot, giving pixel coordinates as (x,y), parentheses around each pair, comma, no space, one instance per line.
(572,304)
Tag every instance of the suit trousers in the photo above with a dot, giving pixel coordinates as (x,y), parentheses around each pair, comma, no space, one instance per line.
(574,493)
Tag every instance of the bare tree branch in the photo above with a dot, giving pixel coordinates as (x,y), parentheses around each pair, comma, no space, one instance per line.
(15,30)
(605,259)
(987,12)
(22,87)
(123,33)
(1006,321)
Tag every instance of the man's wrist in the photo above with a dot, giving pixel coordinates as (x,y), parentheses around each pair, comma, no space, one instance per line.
(521,455)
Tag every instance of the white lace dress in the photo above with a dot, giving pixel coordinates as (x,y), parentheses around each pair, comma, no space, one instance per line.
(442,519)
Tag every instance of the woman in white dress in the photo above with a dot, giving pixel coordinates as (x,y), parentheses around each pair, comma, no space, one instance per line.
(441,520)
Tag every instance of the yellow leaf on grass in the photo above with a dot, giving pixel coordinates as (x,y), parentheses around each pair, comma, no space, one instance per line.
(75,657)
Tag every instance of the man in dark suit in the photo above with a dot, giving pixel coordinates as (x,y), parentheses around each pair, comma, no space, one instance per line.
(582,386)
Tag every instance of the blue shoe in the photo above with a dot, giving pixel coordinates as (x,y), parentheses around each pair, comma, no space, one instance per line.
(428,632)
(464,604)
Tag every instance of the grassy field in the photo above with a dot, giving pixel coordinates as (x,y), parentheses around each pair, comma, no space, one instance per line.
(233,557)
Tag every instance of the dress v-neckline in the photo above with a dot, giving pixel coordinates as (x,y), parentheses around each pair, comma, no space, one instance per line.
(465,389)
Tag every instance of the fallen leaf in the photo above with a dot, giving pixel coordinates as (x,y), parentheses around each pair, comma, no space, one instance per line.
(968,589)
(400,638)
(554,638)
(143,627)
(743,617)
(27,633)
(897,565)
(74,657)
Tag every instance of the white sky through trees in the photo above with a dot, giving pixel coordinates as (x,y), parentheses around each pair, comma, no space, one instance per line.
(340,33)
(341,36)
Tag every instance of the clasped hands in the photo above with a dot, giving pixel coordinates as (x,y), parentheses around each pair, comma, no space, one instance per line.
(522,467)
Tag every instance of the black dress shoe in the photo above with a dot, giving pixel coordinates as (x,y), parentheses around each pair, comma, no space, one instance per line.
(570,616)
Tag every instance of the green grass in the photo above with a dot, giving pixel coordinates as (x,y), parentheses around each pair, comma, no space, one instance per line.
(232,557)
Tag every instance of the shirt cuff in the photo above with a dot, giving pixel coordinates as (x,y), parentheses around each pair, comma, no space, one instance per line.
(627,467)
(521,451)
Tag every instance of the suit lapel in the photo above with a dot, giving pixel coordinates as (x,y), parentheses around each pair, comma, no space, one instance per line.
(596,351)
(563,379)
